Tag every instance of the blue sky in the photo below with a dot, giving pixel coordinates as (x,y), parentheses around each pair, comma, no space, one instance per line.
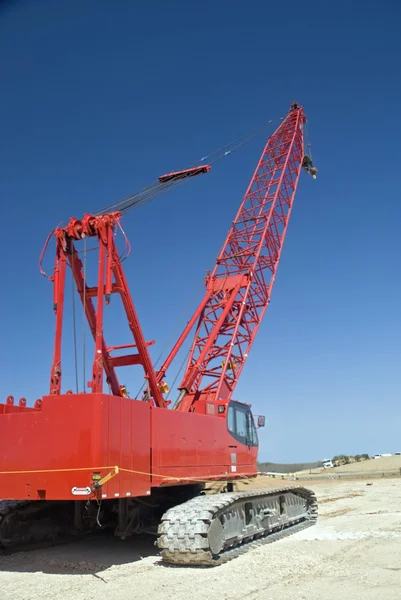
(99,98)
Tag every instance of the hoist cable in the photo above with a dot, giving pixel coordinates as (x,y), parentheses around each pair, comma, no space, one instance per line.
(179,371)
(172,335)
(157,188)
(74,323)
(308,145)
(83,322)
(238,143)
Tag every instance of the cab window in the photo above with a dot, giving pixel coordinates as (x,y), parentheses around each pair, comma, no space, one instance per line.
(240,424)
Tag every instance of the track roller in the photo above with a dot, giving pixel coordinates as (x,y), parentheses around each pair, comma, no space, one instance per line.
(211,530)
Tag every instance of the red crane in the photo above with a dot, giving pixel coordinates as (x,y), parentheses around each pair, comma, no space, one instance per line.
(107,451)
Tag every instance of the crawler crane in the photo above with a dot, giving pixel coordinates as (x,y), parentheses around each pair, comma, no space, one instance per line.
(75,461)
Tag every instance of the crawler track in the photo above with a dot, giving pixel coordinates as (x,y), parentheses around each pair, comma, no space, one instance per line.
(7,508)
(27,525)
(205,531)
(211,530)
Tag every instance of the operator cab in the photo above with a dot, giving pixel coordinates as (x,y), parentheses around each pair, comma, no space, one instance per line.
(241,425)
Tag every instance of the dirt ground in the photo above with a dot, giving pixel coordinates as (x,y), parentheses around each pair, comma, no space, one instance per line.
(386,464)
(354,552)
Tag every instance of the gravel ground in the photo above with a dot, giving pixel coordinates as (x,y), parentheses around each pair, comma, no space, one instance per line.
(354,552)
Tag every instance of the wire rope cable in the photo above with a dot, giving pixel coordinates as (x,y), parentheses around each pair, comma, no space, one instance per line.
(157,188)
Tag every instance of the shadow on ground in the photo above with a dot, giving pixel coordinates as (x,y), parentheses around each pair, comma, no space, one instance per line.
(91,555)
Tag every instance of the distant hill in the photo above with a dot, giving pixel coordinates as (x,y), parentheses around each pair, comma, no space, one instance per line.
(288,468)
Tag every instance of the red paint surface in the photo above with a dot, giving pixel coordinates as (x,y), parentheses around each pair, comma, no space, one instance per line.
(48,450)
(88,431)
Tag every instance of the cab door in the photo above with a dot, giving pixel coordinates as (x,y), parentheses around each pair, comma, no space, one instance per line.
(243,444)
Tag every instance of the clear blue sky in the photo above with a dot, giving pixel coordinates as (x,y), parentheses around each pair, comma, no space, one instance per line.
(99,98)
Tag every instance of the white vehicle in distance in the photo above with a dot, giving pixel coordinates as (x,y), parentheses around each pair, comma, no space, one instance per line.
(328,463)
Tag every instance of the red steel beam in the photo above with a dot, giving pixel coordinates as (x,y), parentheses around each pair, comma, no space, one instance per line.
(243,277)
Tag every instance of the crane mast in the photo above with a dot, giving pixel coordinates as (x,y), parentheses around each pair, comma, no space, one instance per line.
(239,288)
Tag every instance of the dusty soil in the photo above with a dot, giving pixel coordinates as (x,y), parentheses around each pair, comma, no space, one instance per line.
(354,552)
(387,464)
